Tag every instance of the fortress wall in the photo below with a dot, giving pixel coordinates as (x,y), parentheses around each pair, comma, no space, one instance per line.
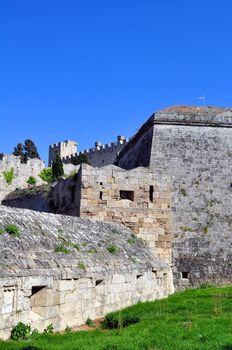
(199,160)
(21,172)
(100,155)
(103,196)
(196,151)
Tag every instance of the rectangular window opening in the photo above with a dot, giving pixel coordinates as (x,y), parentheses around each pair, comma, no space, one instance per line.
(151,191)
(100,195)
(127,195)
(185,274)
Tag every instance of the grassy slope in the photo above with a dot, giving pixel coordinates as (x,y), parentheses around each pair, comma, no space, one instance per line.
(190,320)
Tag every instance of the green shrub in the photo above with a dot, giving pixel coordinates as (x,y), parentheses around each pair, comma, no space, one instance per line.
(90,322)
(20,331)
(61,248)
(46,175)
(134,239)
(9,175)
(81,265)
(112,249)
(12,229)
(113,321)
(31,181)
(49,329)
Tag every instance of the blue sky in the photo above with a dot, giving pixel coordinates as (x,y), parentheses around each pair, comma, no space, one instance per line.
(90,70)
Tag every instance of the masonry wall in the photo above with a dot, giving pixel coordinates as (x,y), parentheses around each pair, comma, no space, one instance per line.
(42,300)
(21,173)
(100,155)
(40,284)
(146,212)
(198,159)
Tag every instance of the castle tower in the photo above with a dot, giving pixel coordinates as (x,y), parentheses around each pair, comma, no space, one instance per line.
(64,149)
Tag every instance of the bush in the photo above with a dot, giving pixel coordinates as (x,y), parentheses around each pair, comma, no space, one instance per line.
(81,266)
(113,321)
(12,229)
(61,248)
(46,175)
(20,332)
(49,329)
(31,181)
(9,175)
(90,322)
(112,249)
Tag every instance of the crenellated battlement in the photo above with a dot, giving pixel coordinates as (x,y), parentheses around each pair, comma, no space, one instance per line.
(99,155)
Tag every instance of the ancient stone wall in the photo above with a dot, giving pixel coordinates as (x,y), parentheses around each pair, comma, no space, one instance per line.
(61,270)
(100,155)
(132,198)
(21,173)
(194,146)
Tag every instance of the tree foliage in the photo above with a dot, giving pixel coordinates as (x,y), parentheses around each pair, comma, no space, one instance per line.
(30,149)
(26,150)
(57,167)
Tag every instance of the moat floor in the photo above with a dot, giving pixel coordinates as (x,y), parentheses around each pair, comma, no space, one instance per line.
(190,320)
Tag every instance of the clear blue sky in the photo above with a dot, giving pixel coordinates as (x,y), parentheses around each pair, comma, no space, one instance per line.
(90,70)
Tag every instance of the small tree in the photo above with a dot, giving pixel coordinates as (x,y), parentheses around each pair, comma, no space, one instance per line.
(1,156)
(19,152)
(57,167)
(30,149)
(31,181)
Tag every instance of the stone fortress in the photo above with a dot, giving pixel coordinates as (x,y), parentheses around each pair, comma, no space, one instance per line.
(169,185)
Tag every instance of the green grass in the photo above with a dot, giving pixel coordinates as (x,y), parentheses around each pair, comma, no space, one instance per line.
(198,319)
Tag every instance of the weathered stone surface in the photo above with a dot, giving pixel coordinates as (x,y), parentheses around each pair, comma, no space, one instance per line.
(21,173)
(39,285)
(194,146)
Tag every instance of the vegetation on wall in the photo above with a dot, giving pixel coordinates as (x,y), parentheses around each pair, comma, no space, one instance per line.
(9,175)
(46,175)
(31,181)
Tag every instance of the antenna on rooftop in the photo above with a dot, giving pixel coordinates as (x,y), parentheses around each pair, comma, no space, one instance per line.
(202,98)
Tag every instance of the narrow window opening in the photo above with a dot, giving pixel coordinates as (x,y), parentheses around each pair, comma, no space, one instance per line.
(100,195)
(98,282)
(103,161)
(151,191)
(73,189)
(138,276)
(36,289)
(185,274)
(101,183)
(127,195)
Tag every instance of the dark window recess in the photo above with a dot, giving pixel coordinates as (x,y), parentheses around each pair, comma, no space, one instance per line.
(127,195)
(36,289)
(103,161)
(100,195)
(151,191)
(101,183)
(98,282)
(185,274)
(73,190)
(138,276)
